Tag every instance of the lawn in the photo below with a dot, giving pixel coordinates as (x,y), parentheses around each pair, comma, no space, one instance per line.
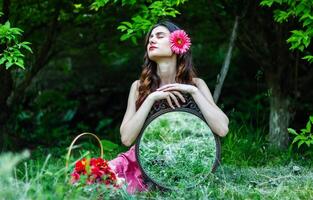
(249,170)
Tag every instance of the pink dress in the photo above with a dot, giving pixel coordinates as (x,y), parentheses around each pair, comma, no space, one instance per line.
(126,166)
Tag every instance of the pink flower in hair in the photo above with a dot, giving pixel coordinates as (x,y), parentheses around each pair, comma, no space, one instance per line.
(180,42)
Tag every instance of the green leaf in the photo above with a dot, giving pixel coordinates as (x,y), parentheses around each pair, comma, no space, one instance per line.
(308,127)
(125,37)
(134,40)
(127,24)
(17,31)
(300,8)
(304,130)
(20,63)
(300,143)
(308,143)
(25,46)
(8,65)
(7,24)
(306,41)
(302,137)
(305,17)
(292,131)
(267,3)
(98,4)
(281,16)
(307,22)
(295,140)
(122,28)
(309,58)
(68,116)
(2,60)
(108,145)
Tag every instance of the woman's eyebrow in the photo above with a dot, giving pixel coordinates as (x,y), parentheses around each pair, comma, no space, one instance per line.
(158,33)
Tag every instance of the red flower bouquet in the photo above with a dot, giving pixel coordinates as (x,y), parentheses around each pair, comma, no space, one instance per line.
(95,170)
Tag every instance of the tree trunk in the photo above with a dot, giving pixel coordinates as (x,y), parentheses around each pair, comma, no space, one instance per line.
(278,81)
(222,75)
(279,121)
(271,53)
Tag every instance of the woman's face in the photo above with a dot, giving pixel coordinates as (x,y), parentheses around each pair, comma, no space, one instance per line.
(159,43)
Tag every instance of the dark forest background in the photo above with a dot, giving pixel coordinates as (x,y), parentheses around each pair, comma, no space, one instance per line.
(79,73)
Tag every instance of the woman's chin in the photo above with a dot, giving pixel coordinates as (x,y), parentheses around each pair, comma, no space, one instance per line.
(158,57)
(154,57)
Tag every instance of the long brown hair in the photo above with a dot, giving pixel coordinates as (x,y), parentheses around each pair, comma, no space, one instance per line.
(150,81)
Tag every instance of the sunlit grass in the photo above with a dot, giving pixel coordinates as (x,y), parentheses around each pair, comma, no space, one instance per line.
(249,171)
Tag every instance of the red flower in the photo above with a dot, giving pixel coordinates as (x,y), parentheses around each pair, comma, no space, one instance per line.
(99,172)
(107,182)
(96,171)
(80,166)
(180,42)
(113,176)
(75,177)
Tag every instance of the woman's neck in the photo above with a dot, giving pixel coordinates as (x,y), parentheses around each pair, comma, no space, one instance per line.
(166,70)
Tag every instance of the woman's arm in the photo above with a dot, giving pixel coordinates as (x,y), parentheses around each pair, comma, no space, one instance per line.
(133,121)
(215,117)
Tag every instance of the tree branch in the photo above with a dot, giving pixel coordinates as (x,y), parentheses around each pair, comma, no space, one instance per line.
(41,61)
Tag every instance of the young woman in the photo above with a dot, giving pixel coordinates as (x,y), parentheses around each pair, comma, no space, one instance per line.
(167,73)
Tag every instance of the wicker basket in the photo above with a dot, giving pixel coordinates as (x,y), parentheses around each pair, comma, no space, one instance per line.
(73,142)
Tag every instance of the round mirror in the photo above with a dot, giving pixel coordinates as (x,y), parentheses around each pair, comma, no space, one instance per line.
(176,148)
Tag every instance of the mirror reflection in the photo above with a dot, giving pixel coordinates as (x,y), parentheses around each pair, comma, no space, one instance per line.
(177,149)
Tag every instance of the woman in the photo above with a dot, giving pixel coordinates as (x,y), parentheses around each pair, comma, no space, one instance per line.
(166,74)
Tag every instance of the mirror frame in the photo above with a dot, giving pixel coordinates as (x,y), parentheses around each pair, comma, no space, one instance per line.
(161,107)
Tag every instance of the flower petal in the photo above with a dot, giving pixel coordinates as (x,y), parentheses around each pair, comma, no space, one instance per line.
(180,42)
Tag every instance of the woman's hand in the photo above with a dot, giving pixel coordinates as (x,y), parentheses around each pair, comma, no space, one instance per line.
(158,95)
(186,88)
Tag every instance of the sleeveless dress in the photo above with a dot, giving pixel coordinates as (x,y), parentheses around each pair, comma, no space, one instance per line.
(126,166)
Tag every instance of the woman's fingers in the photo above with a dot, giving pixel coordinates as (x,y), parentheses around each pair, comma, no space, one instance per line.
(169,101)
(179,95)
(175,99)
(172,88)
(166,86)
(171,97)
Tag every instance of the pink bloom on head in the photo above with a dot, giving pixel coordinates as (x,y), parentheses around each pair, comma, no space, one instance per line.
(180,42)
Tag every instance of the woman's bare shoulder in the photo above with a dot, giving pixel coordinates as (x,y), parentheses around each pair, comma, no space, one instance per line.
(197,80)
(136,83)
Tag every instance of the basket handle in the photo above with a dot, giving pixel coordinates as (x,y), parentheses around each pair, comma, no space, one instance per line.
(73,142)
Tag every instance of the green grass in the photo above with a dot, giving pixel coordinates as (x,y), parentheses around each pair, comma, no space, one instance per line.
(249,170)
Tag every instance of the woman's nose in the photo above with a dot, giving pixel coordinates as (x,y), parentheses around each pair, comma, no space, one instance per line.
(152,40)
